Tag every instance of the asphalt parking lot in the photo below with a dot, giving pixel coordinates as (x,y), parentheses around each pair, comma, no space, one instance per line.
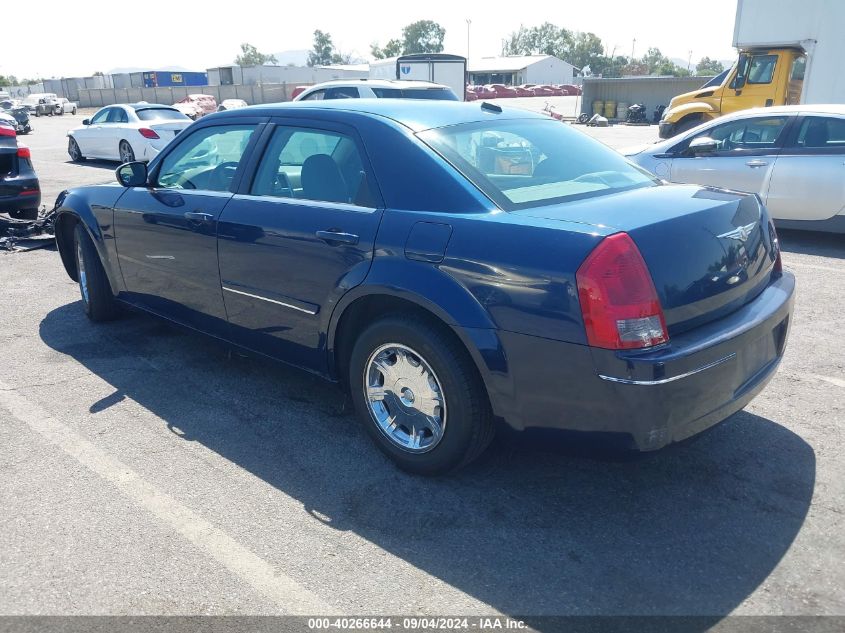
(149,470)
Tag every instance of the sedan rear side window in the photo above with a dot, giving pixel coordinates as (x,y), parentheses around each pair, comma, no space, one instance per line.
(207,159)
(527,163)
(313,165)
(822,133)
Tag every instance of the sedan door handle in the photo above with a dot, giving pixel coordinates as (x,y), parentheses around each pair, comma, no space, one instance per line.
(756,163)
(333,238)
(199,215)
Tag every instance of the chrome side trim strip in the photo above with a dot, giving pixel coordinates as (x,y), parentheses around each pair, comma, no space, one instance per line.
(278,303)
(628,381)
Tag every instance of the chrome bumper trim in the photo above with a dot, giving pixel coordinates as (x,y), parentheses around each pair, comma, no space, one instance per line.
(663,381)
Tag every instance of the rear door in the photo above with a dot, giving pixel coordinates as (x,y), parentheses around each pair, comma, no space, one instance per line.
(808,181)
(166,233)
(297,237)
(746,154)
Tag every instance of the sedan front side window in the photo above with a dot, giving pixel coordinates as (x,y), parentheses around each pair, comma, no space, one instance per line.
(207,159)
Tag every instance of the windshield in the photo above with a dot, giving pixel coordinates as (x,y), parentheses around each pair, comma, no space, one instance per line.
(526,163)
(161,114)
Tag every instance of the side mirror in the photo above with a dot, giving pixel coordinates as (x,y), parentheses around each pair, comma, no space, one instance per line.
(86,121)
(701,145)
(132,174)
(741,71)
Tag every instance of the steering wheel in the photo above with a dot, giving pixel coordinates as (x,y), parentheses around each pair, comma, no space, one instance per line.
(222,175)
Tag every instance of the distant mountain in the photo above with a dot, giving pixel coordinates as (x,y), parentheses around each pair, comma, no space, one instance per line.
(297,58)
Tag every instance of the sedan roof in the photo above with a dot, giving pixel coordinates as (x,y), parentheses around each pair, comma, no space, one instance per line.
(417,115)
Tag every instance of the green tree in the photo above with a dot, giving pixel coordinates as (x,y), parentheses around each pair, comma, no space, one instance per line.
(708,67)
(251,57)
(585,49)
(424,36)
(393,48)
(323,52)
(8,80)
(546,39)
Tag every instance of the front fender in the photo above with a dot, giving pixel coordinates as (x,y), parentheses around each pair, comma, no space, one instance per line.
(93,208)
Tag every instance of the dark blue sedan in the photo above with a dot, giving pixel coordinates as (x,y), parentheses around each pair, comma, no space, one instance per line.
(455,265)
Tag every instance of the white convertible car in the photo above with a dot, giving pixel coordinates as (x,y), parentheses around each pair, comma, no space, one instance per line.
(793,157)
(126,132)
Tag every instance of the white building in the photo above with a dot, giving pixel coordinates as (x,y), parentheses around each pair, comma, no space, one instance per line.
(515,70)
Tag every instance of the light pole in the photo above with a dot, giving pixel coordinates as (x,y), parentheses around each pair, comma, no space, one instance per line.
(633,48)
(468,23)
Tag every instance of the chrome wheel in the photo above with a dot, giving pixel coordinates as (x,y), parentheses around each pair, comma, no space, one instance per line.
(126,153)
(83,277)
(405,398)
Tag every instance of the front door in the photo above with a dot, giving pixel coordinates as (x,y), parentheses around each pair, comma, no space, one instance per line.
(761,87)
(746,152)
(167,233)
(296,238)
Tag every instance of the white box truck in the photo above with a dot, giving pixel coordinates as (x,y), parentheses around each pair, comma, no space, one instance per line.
(789,52)
(440,68)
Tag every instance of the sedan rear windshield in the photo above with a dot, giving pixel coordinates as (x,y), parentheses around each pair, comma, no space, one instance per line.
(160,114)
(438,94)
(531,162)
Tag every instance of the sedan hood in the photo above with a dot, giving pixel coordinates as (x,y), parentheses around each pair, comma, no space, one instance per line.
(709,251)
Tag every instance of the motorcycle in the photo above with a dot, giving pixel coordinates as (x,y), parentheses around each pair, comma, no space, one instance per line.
(636,114)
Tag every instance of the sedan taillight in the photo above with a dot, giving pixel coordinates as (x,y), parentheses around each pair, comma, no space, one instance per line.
(619,303)
(148,133)
(24,152)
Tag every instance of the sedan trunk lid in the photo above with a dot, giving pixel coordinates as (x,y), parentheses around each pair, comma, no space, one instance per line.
(709,251)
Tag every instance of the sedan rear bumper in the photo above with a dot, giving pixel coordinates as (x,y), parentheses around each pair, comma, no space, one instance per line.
(654,398)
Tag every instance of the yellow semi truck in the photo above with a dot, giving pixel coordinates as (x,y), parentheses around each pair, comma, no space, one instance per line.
(789,53)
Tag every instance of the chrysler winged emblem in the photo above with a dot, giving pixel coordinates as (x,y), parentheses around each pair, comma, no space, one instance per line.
(740,233)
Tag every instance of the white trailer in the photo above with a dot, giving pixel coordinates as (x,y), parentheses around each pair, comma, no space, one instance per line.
(448,70)
(814,26)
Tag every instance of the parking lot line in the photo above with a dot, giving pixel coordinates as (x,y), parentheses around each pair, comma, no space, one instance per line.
(292,597)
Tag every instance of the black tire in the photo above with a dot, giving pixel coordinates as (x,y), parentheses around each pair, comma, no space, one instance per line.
(467,422)
(125,151)
(687,123)
(24,214)
(73,151)
(97,298)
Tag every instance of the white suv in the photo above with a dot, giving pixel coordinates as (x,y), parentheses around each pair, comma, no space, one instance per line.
(376,89)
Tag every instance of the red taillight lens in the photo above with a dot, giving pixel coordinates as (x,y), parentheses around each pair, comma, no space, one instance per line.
(618,300)
(29,192)
(148,133)
(24,152)
(7,131)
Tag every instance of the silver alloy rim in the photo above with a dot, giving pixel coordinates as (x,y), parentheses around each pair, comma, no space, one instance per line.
(74,150)
(405,398)
(83,277)
(125,153)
